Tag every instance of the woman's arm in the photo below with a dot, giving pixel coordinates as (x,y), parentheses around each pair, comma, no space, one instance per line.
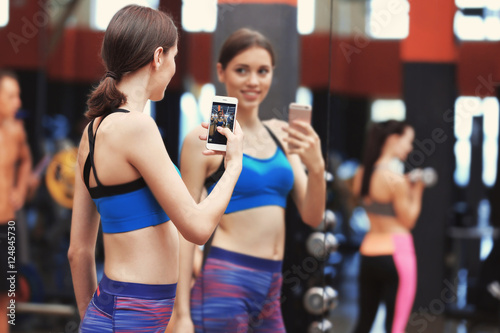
(309,190)
(81,253)
(357,181)
(407,200)
(24,169)
(147,153)
(194,168)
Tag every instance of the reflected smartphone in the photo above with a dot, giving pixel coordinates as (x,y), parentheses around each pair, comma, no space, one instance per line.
(223,114)
(301,112)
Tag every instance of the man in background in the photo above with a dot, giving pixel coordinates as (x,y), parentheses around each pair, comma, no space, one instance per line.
(15,168)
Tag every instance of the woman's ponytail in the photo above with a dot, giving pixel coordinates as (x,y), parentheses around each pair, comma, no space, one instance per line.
(105,98)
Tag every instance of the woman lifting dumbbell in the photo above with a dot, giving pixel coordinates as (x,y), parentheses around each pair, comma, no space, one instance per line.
(393,203)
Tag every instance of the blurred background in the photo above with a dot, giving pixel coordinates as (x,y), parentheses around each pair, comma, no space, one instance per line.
(433,63)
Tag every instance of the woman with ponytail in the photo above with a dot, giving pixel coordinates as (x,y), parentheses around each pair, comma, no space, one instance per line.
(392,202)
(126,180)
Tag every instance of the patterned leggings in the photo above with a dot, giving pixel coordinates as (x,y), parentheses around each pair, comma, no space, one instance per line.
(119,307)
(237,293)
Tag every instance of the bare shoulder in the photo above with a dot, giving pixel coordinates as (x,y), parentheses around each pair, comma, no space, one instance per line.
(192,139)
(276,126)
(192,152)
(122,129)
(136,123)
(16,128)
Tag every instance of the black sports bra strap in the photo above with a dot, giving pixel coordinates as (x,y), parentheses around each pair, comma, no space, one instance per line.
(275,139)
(91,151)
(86,171)
(92,137)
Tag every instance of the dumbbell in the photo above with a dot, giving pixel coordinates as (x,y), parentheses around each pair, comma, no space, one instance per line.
(320,245)
(317,300)
(324,326)
(329,176)
(329,221)
(427,175)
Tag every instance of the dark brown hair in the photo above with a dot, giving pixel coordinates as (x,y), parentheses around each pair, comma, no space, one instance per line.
(241,40)
(130,40)
(377,135)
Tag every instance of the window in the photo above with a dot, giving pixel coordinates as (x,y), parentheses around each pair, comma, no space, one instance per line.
(477,20)
(471,3)
(466,108)
(304,96)
(386,109)
(4,12)
(199,15)
(388,19)
(188,116)
(483,221)
(306,14)
(194,111)
(102,11)
(490,140)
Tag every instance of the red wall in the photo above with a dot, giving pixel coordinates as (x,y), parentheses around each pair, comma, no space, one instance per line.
(359,67)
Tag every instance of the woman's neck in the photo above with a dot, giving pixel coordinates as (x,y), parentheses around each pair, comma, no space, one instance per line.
(384,160)
(134,88)
(248,118)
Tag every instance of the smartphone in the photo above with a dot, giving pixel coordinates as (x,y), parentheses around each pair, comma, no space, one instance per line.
(302,112)
(223,114)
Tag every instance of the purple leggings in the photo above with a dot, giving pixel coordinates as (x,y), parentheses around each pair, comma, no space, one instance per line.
(237,293)
(129,307)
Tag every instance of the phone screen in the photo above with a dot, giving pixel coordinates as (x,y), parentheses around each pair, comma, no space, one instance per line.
(222,115)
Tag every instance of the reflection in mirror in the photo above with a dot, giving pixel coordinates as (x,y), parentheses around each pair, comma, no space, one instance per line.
(301,46)
(364,86)
(429,67)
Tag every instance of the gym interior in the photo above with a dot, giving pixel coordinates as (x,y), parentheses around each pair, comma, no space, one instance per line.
(430,63)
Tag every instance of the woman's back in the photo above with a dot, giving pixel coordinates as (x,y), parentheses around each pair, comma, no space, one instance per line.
(382,195)
(139,254)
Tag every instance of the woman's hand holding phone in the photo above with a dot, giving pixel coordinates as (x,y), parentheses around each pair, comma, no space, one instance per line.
(234,150)
(302,139)
(223,114)
(305,142)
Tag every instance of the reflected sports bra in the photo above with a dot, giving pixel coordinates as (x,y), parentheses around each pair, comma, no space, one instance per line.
(378,208)
(123,207)
(262,182)
(374,207)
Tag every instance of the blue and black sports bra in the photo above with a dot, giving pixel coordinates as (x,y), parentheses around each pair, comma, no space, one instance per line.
(123,207)
(262,182)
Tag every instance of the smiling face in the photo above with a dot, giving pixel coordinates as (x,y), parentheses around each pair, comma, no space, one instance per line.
(248,77)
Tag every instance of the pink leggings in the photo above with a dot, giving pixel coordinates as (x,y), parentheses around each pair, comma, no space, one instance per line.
(391,279)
